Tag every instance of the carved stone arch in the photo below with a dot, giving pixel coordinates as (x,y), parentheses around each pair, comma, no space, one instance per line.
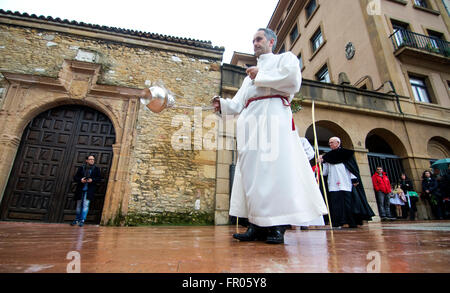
(326,129)
(386,150)
(33,110)
(438,148)
(53,145)
(29,95)
(391,139)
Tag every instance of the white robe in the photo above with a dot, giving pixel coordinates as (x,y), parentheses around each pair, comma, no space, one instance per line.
(339,178)
(273,182)
(307,147)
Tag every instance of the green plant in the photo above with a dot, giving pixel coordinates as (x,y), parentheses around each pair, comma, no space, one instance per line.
(296,104)
(447,52)
(169,218)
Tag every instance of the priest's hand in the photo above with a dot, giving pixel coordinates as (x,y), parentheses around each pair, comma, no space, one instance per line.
(216,103)
(252,72)
(320,159)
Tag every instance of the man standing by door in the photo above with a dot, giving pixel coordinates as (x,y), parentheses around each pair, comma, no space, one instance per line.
(87,177)
(382,187)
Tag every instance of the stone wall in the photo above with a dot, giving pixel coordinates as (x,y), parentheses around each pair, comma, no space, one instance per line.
(2,88)
(166,185)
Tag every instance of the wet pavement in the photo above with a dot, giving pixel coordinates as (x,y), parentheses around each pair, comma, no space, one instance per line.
(393,247)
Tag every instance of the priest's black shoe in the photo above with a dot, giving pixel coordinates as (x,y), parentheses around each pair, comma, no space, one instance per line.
(253,233)
(275,235)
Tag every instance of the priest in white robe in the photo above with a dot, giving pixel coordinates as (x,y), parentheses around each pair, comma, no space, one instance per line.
(273,185)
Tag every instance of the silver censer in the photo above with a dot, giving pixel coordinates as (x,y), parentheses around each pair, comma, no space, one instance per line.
(157,98)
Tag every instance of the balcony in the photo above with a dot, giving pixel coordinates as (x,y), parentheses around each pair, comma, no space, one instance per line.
(407,43)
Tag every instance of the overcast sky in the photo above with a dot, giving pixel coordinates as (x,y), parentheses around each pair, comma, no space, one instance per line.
(226,23)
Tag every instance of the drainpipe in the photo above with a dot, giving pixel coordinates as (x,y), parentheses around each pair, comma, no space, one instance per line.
(221,79)
(396,96)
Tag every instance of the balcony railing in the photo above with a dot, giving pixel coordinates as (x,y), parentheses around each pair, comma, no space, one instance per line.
(404,38)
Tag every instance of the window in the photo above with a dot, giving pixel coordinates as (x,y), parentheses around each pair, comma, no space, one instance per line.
(317,40)
(310,8)
(294,34)
(401,34)
(323,74)
(421,3)
(399,25)
(446,7)
(419,88)
(436,35)
(300,60)
(436,39)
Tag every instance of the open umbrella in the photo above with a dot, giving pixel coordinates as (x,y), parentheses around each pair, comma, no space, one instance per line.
(441,164)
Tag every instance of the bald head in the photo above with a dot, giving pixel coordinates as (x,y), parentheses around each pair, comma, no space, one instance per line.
(334,142)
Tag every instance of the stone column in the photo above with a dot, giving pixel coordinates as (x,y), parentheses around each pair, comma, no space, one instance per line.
(119,189)
(224,160)
(9,145)
(366,177)
(10,115)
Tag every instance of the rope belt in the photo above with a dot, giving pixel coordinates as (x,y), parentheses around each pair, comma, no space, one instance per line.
(284,100)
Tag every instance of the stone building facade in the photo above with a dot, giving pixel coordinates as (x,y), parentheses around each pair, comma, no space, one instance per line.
(69,89)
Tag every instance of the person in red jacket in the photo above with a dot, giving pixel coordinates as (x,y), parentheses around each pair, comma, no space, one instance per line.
(382,187)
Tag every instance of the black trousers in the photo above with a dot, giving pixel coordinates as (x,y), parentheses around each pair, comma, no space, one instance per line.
(341,208)
(413,209)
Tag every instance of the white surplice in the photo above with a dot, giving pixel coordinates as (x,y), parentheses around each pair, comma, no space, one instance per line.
(273,182)
(339,178)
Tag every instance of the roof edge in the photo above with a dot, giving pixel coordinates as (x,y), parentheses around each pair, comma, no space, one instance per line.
(144,35)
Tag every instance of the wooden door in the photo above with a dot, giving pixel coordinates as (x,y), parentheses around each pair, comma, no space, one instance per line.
(54,144)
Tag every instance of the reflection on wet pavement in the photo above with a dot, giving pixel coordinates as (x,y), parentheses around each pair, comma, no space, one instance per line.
(408,247)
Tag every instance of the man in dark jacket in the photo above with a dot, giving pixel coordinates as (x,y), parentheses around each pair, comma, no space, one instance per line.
(87,177)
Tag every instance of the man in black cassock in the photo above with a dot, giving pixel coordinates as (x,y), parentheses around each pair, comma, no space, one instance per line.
(347,198)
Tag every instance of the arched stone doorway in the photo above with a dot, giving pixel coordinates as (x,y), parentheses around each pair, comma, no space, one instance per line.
(438,148)
(325,130)
(53,145)
(386,151)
